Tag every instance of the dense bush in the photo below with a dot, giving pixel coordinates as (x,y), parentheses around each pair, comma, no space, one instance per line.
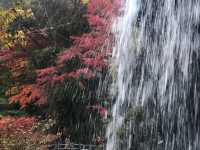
(63,61)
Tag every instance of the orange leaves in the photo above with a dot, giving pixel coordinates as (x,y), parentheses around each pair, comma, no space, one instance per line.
(29,93)
(16,63)
(11,122)
(18,67)
(24,94)
(12,125)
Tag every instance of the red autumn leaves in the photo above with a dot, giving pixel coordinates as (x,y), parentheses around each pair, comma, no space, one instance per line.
(90,51)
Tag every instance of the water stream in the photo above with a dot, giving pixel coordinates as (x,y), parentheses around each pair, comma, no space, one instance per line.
(156,76)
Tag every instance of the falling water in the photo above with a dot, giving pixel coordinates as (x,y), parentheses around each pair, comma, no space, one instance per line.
(156,76)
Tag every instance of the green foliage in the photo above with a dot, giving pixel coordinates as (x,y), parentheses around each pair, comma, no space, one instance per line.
(134,115)
(3,99)
(11,3)
(16,113)
(60,19)
(68,105)
(46,31)
(5,82)
(42,58)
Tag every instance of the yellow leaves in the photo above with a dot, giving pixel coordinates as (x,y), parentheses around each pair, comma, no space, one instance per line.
(6,40)
(6,18)
(20,38)
(29,13)
(9,41)
(12,91)
(23,63)
(20,34)
(85,2)
(19,11)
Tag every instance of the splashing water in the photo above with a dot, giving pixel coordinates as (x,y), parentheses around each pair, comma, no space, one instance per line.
(156,80)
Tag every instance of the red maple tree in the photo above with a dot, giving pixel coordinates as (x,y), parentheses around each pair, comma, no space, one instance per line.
(29,94)
(91,49)
(88,55)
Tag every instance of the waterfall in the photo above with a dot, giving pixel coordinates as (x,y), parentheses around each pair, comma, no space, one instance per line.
(155,68)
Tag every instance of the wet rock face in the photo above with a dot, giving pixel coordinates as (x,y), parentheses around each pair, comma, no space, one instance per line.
(175,124)
(164,71)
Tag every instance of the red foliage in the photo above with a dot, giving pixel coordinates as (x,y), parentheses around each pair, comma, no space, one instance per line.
(84,72)
(46,71)
(34,93)
(59,78)
(103,112)
(44,75)
(5,55)
(67,55)
(12,125)
(8,57)
(29,93)
(17,63)
(91,49)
